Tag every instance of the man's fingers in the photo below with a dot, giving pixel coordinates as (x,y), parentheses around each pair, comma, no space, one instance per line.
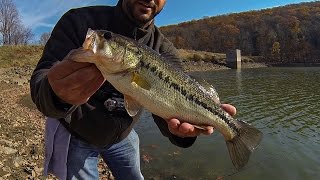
(75,87)
(65,68)
(78,82)
(80,93)
(93,86)
(81,78)
(73,79)
(209,130)
(173,123)
(229,109)
(187,128)
(68,65)
(81,55)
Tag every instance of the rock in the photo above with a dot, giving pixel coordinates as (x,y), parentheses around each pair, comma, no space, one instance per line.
(6,81)
(18,161)
(6,169)
(33,173)
(38,170)
(7,150)
(21,139)
(5,176)
(28,170)
(5,142)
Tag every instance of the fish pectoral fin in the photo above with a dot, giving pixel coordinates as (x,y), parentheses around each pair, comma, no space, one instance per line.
(140,81)
(132,106)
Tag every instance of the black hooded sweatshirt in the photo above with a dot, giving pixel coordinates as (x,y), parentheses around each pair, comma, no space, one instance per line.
(91,121)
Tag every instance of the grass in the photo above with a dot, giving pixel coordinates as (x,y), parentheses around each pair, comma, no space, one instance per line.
(19,56)
(26,101)
(191,55)
(216,58)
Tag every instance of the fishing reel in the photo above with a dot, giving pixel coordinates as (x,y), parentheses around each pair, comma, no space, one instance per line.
(114,104)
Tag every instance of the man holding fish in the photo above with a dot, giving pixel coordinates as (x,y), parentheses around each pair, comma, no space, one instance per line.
(86,115)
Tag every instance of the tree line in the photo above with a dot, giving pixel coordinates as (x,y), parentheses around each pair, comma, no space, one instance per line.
(12,29)
(281,35)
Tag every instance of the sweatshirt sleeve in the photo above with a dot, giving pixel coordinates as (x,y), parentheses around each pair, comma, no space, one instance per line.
(178,141)
(63,38)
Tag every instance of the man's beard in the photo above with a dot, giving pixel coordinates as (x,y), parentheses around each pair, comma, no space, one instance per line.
(143,20)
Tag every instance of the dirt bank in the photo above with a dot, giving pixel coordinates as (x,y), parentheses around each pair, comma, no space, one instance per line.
(22,129)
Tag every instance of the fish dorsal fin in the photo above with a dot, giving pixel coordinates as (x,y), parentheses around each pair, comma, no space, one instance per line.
(173,60)
(132,106)
(140,81)
(210,91)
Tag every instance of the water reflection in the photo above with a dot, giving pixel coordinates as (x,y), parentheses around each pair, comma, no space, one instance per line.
(239,80)
(282,102)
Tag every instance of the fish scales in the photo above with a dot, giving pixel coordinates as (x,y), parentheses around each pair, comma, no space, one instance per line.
(148,80)
(187,99)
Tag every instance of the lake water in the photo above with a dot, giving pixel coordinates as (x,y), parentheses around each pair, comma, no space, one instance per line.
(284,103)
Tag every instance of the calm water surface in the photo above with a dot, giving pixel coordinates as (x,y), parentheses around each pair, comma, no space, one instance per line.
(284,103)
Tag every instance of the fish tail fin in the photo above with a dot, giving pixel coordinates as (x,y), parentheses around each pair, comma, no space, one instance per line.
(242,145)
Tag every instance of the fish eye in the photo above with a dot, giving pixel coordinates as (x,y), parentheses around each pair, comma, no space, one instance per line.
(107,35)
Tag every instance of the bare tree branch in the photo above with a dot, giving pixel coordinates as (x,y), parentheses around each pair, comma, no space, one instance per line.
(12,31)
(44,38)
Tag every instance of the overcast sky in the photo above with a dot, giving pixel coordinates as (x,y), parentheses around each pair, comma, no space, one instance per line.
(42,15)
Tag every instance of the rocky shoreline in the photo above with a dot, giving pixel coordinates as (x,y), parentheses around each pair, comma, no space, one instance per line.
(22,129)
(208,66)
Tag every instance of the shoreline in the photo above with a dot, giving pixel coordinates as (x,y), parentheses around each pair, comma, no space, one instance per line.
(296,65)
(208,66)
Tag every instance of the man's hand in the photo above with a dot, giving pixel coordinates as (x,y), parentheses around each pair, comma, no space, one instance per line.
(74,82)
(188,130)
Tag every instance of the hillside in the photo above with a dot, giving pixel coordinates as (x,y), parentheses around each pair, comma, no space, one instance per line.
(18,56)
(21,124)
(288,34)
(22,60)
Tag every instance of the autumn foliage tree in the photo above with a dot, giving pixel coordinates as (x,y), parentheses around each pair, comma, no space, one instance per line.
(284,34)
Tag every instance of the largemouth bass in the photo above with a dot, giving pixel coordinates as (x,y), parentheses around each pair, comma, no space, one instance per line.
(148,80)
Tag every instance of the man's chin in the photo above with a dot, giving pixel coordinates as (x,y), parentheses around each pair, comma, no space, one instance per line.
(144,18)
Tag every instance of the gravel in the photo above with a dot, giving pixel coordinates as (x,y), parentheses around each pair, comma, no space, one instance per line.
(22,129)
